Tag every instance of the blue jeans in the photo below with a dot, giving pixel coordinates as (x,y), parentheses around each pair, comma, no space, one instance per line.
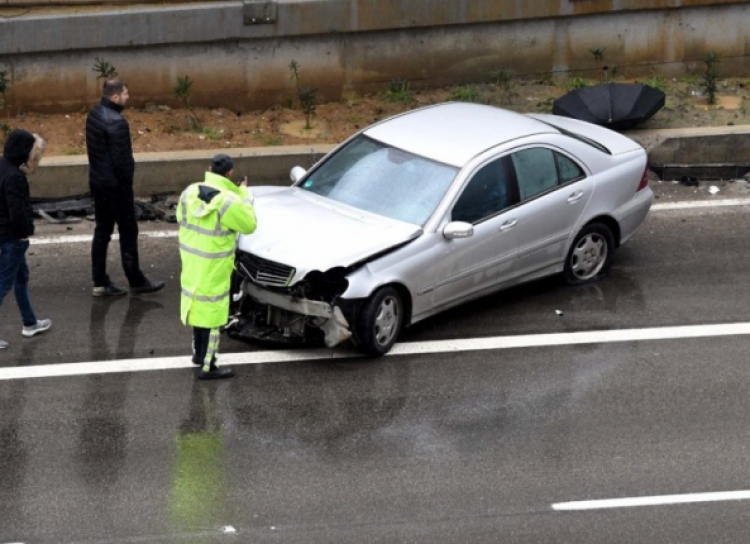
(14,274)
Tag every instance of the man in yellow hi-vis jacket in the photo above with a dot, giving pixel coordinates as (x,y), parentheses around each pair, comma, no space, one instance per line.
(211,213)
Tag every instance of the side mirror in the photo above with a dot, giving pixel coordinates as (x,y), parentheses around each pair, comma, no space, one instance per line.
(458,229)
(297,173)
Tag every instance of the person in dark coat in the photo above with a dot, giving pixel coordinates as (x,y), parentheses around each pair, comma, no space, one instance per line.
(111,170)
(21,154)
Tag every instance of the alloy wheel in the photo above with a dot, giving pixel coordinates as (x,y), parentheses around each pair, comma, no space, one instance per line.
(589,256)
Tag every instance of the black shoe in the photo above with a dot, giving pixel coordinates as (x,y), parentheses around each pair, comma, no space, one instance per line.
(151,286)
(110,290)
(215,373)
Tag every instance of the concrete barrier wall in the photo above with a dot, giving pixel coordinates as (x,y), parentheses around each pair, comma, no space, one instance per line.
(354,46)
(172,172)
(157,173)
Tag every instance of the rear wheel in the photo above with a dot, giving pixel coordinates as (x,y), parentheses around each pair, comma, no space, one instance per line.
(379,322)
(590,256)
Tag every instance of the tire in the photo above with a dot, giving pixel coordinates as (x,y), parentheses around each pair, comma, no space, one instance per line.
(379,322)
(590,255)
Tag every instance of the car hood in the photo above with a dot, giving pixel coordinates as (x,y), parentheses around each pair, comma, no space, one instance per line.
(309,232)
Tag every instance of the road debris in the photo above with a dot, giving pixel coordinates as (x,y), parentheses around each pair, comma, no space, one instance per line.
(61,218)
(559,312)
(713,190)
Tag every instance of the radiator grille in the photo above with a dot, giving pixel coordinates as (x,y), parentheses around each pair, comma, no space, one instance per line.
(263,271)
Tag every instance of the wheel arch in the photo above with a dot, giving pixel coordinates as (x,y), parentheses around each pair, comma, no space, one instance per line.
(610,222)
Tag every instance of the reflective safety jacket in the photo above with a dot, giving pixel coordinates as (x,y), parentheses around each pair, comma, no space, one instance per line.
(210,214)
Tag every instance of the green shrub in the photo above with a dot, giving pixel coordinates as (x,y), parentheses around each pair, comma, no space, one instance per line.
(465,93)
(307,96)
(710,78)
(399,91)
(104,69)
(577,83)
(183,91)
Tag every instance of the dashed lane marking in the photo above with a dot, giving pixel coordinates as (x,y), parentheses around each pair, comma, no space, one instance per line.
(656,500)
(408,348)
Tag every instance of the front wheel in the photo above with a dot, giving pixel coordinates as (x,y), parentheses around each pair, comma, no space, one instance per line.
(590,256)
(379,322)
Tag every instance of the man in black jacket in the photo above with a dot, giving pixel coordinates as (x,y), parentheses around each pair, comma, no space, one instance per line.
(111,169)
(21,154)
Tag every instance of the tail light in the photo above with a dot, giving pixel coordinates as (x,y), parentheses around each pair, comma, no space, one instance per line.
(644,180)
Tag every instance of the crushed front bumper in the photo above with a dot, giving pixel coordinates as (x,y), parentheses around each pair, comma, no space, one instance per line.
(280,317)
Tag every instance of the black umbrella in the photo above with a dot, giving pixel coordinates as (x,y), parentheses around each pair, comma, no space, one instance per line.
(618,106)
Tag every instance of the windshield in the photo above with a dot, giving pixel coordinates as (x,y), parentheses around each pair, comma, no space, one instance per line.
(384,180)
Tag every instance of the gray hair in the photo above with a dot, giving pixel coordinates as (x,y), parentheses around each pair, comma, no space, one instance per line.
(35,155)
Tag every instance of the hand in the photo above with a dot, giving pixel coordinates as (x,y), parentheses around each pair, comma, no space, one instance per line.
(243,183)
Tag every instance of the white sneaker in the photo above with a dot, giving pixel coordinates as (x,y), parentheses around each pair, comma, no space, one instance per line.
(41,326)
(3,344)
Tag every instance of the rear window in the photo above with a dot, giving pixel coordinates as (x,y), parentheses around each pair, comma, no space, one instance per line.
(583,139)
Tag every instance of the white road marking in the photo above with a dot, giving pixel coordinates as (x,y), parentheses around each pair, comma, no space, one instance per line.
(666,206)
(656,500)
(77,238)
(691,204)
(408,348)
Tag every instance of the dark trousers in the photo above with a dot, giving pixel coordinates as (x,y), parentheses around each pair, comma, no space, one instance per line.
(115,206)
(205,346)
(14,274)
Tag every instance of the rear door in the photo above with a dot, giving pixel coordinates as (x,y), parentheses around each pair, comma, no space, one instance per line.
(554,190)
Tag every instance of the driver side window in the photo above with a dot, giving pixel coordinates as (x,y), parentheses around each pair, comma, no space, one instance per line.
(489,191)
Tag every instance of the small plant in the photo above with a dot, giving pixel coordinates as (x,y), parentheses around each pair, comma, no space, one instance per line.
(4,88)
(268,139)
(710,78)
(5,128)
(465,93)
(546,105)
(504,80)
(73,151)
(399,91)
(183,91)
(307,96)
(104,69)
(212,133)
(657,82)
(577,83)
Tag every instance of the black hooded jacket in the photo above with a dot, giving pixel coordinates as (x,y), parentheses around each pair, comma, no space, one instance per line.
(16,215)
(109,147)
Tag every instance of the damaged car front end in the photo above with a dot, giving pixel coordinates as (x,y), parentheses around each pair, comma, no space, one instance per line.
(267,307)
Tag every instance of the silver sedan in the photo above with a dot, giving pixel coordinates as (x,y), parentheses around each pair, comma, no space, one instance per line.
(430,209)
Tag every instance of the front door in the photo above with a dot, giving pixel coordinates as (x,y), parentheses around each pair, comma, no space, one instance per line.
(474,265)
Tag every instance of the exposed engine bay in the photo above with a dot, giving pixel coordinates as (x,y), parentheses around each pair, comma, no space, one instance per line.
(263,308)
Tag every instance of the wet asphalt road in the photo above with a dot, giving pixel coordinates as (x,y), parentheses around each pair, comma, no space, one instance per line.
(471,447)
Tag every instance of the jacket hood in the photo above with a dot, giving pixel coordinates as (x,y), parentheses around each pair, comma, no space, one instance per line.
(212,186)
(18,146)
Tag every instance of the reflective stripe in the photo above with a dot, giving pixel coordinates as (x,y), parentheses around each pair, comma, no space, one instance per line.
(200,230)
(204,298)
(225,207)
(218,231)
(205,254)
(212,350)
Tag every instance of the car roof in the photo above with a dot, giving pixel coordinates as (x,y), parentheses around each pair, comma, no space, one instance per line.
(455,132)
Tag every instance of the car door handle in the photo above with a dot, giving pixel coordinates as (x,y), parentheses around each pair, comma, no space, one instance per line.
(509,224)
(575,197)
